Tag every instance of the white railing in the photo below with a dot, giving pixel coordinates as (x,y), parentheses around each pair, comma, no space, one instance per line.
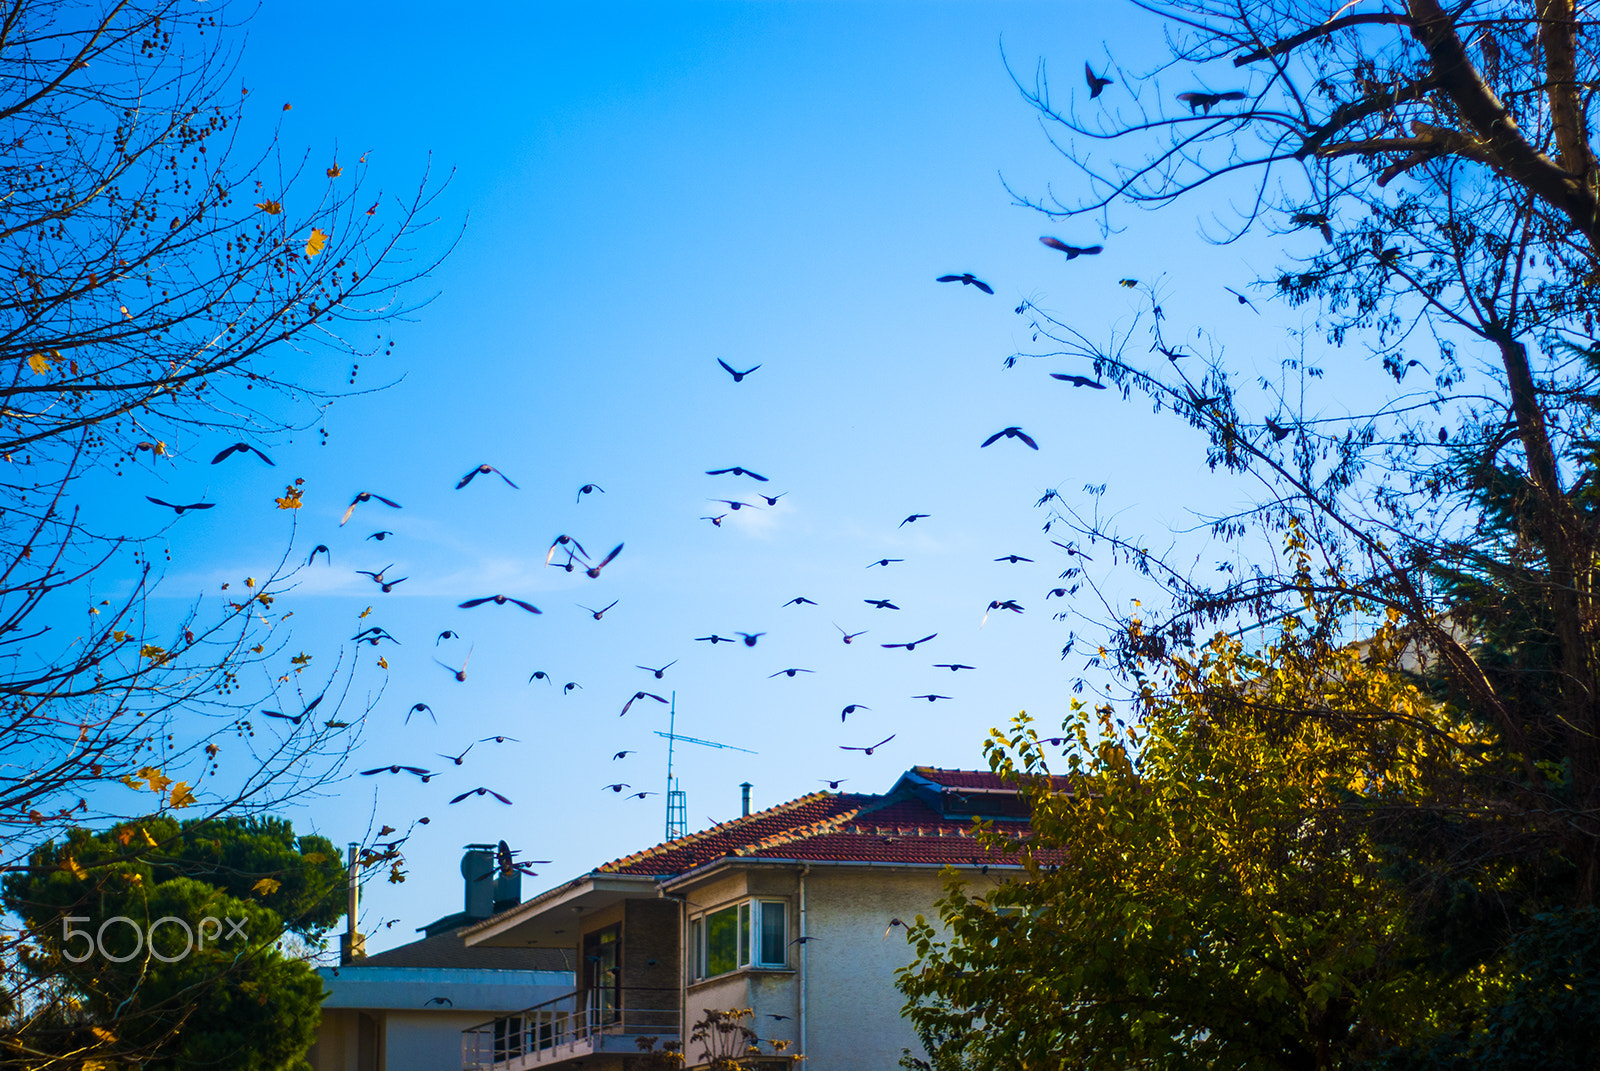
(574,1024)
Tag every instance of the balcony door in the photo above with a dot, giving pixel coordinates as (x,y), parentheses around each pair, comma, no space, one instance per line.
(602,962)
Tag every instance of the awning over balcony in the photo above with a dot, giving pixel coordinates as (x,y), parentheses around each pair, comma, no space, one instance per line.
(552,918)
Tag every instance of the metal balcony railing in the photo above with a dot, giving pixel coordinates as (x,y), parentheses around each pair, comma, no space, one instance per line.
(575,1024)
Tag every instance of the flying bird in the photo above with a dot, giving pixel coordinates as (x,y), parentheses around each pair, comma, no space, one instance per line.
(415,707)
(593,572)
(869,750)
(618,787)
(460,674)
(500,739)
(1243,300)
(851,709)
(322,549)
(731,504)
(561,541)
(1013,558)
(240,448)
(996,604)
(457,759)
(500,600)
(381,536)
(566,689)
(913,517)
(712,639)
(750,637)
(540,675)
(1073,252)
(419,771)
(952,666)
(587,489)
(445,1001)
(833,784)
(881,604)
(738,377)
(365,496)
(373,635)
(892,924)
(967,279)
(662,672)
(179,509)
(1097,84)
(884,562)
(912,646)
(1010,433)
(772,500)
(597,614)
(622,755)
(931,698)
(1197,101)
(447,634)
(850,636)
(1279,432)
(480,791)
(799,600)
(717,520)
(637,696)
(484,470)
(642,795)
(788,672)
(295,718)
(1079,381)
(738,471)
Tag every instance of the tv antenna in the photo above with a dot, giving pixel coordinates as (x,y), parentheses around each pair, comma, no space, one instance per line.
(677,799)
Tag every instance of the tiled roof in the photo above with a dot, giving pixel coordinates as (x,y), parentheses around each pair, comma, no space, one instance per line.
(973,779)
(448,950)
(898,827)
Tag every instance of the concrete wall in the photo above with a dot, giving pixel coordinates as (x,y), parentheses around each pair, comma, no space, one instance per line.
(425,1040)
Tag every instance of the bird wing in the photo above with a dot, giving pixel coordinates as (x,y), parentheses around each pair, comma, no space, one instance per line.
(725,367)
(607,560)
(507,479)
(1025,437)
(466,479)
(349,510)
(981,285)
(532,609)
(991,440)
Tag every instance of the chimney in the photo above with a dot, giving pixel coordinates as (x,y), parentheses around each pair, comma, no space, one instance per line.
(477,867)
(507,891)
(352,945)
(744,799)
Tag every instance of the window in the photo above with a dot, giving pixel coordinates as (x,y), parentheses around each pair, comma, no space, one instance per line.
(753,933)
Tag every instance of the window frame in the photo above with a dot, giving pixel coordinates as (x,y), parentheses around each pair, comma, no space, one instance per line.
(749,932)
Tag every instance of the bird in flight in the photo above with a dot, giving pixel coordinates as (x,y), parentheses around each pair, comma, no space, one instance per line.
(1197,101)
(952,666)
(750,638)
(1097,84)
(731,504)
(588,489)
(884,562)
(738,471)
(912,646)
(381,536)
(593,572)
(1073,252)
(500,739)
(597,614)
(379,579)
(1079,381)
(850,636)
(457,759)
(931,698)
(322,549)
(892,924)
(500,600)
(460,674)
(415,707)
(662,672)
(881,604)
(772,500)
(295,718)
(239,448)
(1013,558)
(540,675)
(967,279)
(506,863)
(566,689)
(419,771)
(799,600)
(561,541)
(738,377)
(642,795)
(996,604)
(365,496)
(636,697)
(1010,433)
(712,639)
(447,634)
(913,517)
(788,672)
(1279,431)
(373,635)
(833,784)
(617,787)
(484,470)
(851,709)
(1072,550)
(717,520)
(442,1001)
(480,791)
(179,509)
(869,750)
(622,755)
(1243,300)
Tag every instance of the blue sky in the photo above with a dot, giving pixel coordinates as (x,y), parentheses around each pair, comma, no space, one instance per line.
(634,192)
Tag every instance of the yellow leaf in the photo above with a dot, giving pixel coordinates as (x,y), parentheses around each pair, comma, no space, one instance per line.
(383,663)
(271,208)
(315,243)
(181,795)
(39,363)
(148,839)
(70,865)
(120,636)
(364,613)
(266,886)
(291,498)
(335,171)
(314,858)
(156,654)
(102,1033)
(134,878)
(158,780)
(249,581)
(300,659)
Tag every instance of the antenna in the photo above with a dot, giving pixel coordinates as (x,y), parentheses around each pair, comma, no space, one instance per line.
(677,799)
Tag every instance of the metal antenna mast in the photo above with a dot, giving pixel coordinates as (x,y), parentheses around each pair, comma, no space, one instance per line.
(677,799)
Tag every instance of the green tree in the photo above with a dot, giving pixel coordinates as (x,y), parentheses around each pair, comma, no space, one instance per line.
(209,985)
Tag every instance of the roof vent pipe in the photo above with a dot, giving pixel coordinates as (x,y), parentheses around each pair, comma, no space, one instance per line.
(744,800)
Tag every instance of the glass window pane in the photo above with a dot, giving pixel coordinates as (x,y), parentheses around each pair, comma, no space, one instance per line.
(722,942)
(697,948)
(744,934)
(774,933)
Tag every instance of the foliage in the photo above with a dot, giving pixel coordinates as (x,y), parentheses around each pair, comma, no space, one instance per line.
(179,993)
(727,1040)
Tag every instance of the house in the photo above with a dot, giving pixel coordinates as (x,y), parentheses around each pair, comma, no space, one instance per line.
(795,912)
(405,1009)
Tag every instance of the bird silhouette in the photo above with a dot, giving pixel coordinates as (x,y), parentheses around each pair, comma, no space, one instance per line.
(772,500)
(1073,252)
(593,572)
(484,470)
(1079,381)
(1197,101)
(240,448)
(445,1001)
(1010,433)
(566,689)
(540,675)
(849,637)
(912,646)
(365,496)
(294,718)
(322,549)
(731,504)
(381,536)
(1013,558)
(1074,551)
(799,600)
(588,489)
(562,541)
(1279,432)
(750,638)
(500,739)
(851,709)
(738,471)
(373,635)
(712,639)
(642,795)
(913,517)
(996,604)
(457,759)
(869,750)
(881,604)
(506,864)
(418,770)
(617,787)
(931,698)
(636,697)
(660,673)
(833,784)
(500,600)
(1243,300)
(775,1015)
(717,520)
(892,924)
(460,674)
(967,279)
(738,377)
(447,634)
(415,707)
(597,614)
(1059,593)
(622,755)
(788,672)
(480,791)
(884,562)
(179,510)
(1097,84)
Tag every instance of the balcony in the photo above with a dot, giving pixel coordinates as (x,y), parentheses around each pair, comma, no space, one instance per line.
(570,1027)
